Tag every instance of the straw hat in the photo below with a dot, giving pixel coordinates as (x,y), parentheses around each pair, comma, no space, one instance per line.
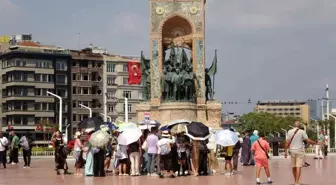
(77,134)
(165,133)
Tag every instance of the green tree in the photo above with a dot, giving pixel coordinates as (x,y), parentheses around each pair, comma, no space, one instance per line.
(265,122)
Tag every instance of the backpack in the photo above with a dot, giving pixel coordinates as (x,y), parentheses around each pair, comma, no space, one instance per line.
(165,149)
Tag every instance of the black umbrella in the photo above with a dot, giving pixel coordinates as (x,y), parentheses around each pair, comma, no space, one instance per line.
(197,131)
(91,123)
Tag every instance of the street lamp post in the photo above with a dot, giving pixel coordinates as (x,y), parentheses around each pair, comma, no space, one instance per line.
(67,134)
(60,110)
(109,117)
(86,107)
(334,129)
(126,110)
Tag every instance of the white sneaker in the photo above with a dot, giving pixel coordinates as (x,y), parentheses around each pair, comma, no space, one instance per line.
(154,175)
(213,171)
(227,174)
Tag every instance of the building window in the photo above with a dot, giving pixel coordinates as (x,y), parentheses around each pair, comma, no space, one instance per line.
(110,95)
(37,77)
(74,117)
(85,90)
(111,80)
(74,90)
(111,67)
(51,106)
(85,77)
(129,108)
(61,79)
(125,67)
(125,81)
(61,66)
(17,120)
(24,120)
(44,106)
(127,94)
(24,106)
(140,95)
(37,106)
(111,108)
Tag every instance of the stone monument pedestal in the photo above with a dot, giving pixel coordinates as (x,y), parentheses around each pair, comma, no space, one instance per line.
(209,113)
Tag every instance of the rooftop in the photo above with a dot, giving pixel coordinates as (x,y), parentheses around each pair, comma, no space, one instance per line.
(281,102)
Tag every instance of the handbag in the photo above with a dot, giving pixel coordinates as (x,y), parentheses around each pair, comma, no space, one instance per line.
(264,150)
(145,145)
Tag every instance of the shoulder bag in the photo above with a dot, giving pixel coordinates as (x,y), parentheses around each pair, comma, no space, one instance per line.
(290,142)
(263,150)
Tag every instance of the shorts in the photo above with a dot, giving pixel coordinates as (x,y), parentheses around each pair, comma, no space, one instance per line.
(261,162)
(123,161)
(228,158)
(297,157)
(166,161)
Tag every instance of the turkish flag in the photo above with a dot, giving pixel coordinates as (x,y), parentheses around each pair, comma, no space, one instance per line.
(134,73)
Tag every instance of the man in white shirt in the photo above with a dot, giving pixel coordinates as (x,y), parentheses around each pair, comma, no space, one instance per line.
(294,143)
(3,149)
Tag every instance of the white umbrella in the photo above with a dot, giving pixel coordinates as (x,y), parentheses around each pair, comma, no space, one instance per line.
(226,138)
(144,127)
(149,122)
(129,136)
(99,139)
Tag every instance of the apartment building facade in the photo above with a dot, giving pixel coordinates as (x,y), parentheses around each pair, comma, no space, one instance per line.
(285,108)
(28,71)
(88,78)
(118,88)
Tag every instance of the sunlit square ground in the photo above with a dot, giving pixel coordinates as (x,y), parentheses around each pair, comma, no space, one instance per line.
(321,172)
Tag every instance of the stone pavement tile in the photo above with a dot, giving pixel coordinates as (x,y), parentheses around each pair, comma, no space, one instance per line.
(321,172)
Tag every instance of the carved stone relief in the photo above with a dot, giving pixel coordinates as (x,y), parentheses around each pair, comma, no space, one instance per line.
(200,67)
(155,69)
(186,9)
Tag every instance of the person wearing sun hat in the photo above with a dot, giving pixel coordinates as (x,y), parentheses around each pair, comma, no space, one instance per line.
(78,154)
(164,150)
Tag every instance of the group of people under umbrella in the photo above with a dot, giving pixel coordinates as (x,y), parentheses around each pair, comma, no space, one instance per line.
(179,148)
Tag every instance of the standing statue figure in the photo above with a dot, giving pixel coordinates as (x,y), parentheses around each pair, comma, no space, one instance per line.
(208,86)
(145,78)
(178,82)
(189,85)
(166,84)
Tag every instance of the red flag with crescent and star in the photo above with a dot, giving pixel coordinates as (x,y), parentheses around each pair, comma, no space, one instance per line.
(134,73)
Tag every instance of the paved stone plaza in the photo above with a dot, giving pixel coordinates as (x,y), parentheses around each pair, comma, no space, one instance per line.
(321,172)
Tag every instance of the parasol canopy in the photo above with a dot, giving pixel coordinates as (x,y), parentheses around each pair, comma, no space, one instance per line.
(145,127)
(99,139)
(129,136)
(149,122)
(197,131)
(175,122)
(178,128)
(226,138)
(93,123)
(125,126)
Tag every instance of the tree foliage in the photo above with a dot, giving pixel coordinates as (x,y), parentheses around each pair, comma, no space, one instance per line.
(266,123)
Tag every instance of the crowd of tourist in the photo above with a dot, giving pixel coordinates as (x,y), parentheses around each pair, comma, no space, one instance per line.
(158,153)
